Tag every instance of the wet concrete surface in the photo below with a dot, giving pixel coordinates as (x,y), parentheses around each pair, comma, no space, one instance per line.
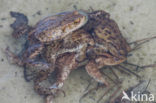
(136,19)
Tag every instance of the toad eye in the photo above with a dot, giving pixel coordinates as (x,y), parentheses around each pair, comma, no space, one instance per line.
(77,21)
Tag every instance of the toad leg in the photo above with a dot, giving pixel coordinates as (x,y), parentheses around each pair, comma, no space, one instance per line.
(93,67)
(41,76)
(109,61)
(27,57)
(93,70)
(20,25)
(32,52)
(65,65)
(14,59)
(28,60)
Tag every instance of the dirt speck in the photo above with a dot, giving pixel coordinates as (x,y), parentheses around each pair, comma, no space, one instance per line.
(75,7)
(123,27)
(2,60)
(131,8)
(131,22)
(1,26)
(3,19)
(38,13)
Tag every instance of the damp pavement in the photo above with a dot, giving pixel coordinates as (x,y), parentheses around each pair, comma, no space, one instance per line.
(136,20)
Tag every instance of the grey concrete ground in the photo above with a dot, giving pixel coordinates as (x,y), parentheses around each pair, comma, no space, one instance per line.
(136,19)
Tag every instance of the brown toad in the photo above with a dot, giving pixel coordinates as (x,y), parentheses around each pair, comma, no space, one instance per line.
(98,43)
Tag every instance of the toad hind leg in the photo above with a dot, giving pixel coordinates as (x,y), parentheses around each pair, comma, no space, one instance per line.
(14,59)
(27,57)
(20,25)
(93,67)
(65,65)
(32,52)
(93,71)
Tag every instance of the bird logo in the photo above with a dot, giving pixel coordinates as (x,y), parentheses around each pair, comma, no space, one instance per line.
(125,96)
